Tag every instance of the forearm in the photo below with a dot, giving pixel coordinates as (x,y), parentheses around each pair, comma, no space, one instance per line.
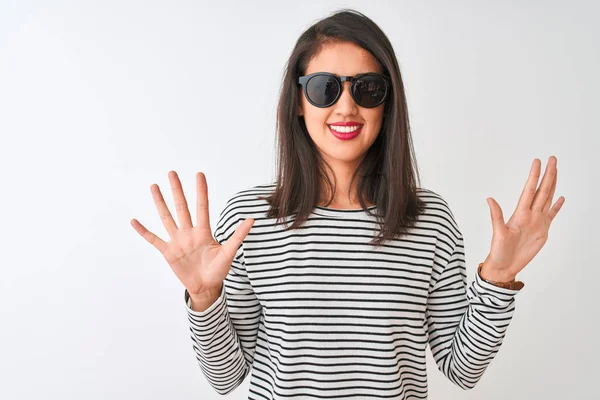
(464,355)
(216,344)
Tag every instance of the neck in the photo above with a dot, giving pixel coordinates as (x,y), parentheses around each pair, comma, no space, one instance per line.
(345,196)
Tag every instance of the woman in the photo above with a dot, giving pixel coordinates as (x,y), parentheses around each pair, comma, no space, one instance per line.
(343,302)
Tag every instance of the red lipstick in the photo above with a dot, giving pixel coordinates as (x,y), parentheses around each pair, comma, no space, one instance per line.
(346,135)
(349,123)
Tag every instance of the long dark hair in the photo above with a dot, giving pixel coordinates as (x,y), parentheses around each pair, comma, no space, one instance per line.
(388,173)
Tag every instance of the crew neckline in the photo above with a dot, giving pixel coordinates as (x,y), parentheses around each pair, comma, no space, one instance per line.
(346,209)
(342,213)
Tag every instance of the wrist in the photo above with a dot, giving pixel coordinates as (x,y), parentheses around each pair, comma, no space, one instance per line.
(496,276)
(507,281)
(206,295)
(490,272)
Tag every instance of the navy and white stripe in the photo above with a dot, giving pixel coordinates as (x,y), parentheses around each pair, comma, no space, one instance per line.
(319,313)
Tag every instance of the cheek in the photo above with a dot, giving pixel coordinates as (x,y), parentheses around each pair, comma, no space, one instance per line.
(315,117)
(375,119)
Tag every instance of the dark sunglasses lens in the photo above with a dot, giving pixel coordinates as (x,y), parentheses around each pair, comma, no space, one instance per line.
(322,89)
(369,91)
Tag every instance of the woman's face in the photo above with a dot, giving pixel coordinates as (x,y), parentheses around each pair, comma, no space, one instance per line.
(342,59)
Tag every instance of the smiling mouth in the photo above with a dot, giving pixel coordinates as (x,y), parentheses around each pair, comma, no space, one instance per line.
(344,129)
(345,132)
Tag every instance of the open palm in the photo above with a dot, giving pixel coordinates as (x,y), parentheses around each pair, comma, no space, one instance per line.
(516,242)
(196,258)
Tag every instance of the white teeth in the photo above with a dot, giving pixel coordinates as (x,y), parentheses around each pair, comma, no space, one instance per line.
(344,129)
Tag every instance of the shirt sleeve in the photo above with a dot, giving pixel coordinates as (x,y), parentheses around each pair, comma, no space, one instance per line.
(466,324)
(224,335)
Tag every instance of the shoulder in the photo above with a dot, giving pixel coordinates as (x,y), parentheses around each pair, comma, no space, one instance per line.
(248,200)
(433,200)
(438,213)
(241,204)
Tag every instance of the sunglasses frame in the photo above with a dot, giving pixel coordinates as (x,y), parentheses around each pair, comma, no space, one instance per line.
(303,80)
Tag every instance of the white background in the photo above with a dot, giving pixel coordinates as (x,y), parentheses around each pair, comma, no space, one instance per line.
(100,99)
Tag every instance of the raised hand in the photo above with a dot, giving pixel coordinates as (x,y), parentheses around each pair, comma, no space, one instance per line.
(515,243)
(198,260)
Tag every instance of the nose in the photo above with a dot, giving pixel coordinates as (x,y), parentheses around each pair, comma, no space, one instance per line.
(345,104)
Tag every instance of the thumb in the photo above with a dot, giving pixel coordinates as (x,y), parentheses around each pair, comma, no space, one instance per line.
(235,240)
(495,213)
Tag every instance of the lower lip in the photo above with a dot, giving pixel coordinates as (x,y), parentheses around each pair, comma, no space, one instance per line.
(345,136)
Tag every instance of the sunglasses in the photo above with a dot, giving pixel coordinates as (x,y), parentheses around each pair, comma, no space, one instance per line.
(323,89)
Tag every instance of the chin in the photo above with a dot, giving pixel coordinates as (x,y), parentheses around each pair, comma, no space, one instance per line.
(344,156)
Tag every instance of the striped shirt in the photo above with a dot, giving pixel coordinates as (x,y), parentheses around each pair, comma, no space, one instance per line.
(318,313)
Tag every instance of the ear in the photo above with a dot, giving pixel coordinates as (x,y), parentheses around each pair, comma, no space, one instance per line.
(300,112)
